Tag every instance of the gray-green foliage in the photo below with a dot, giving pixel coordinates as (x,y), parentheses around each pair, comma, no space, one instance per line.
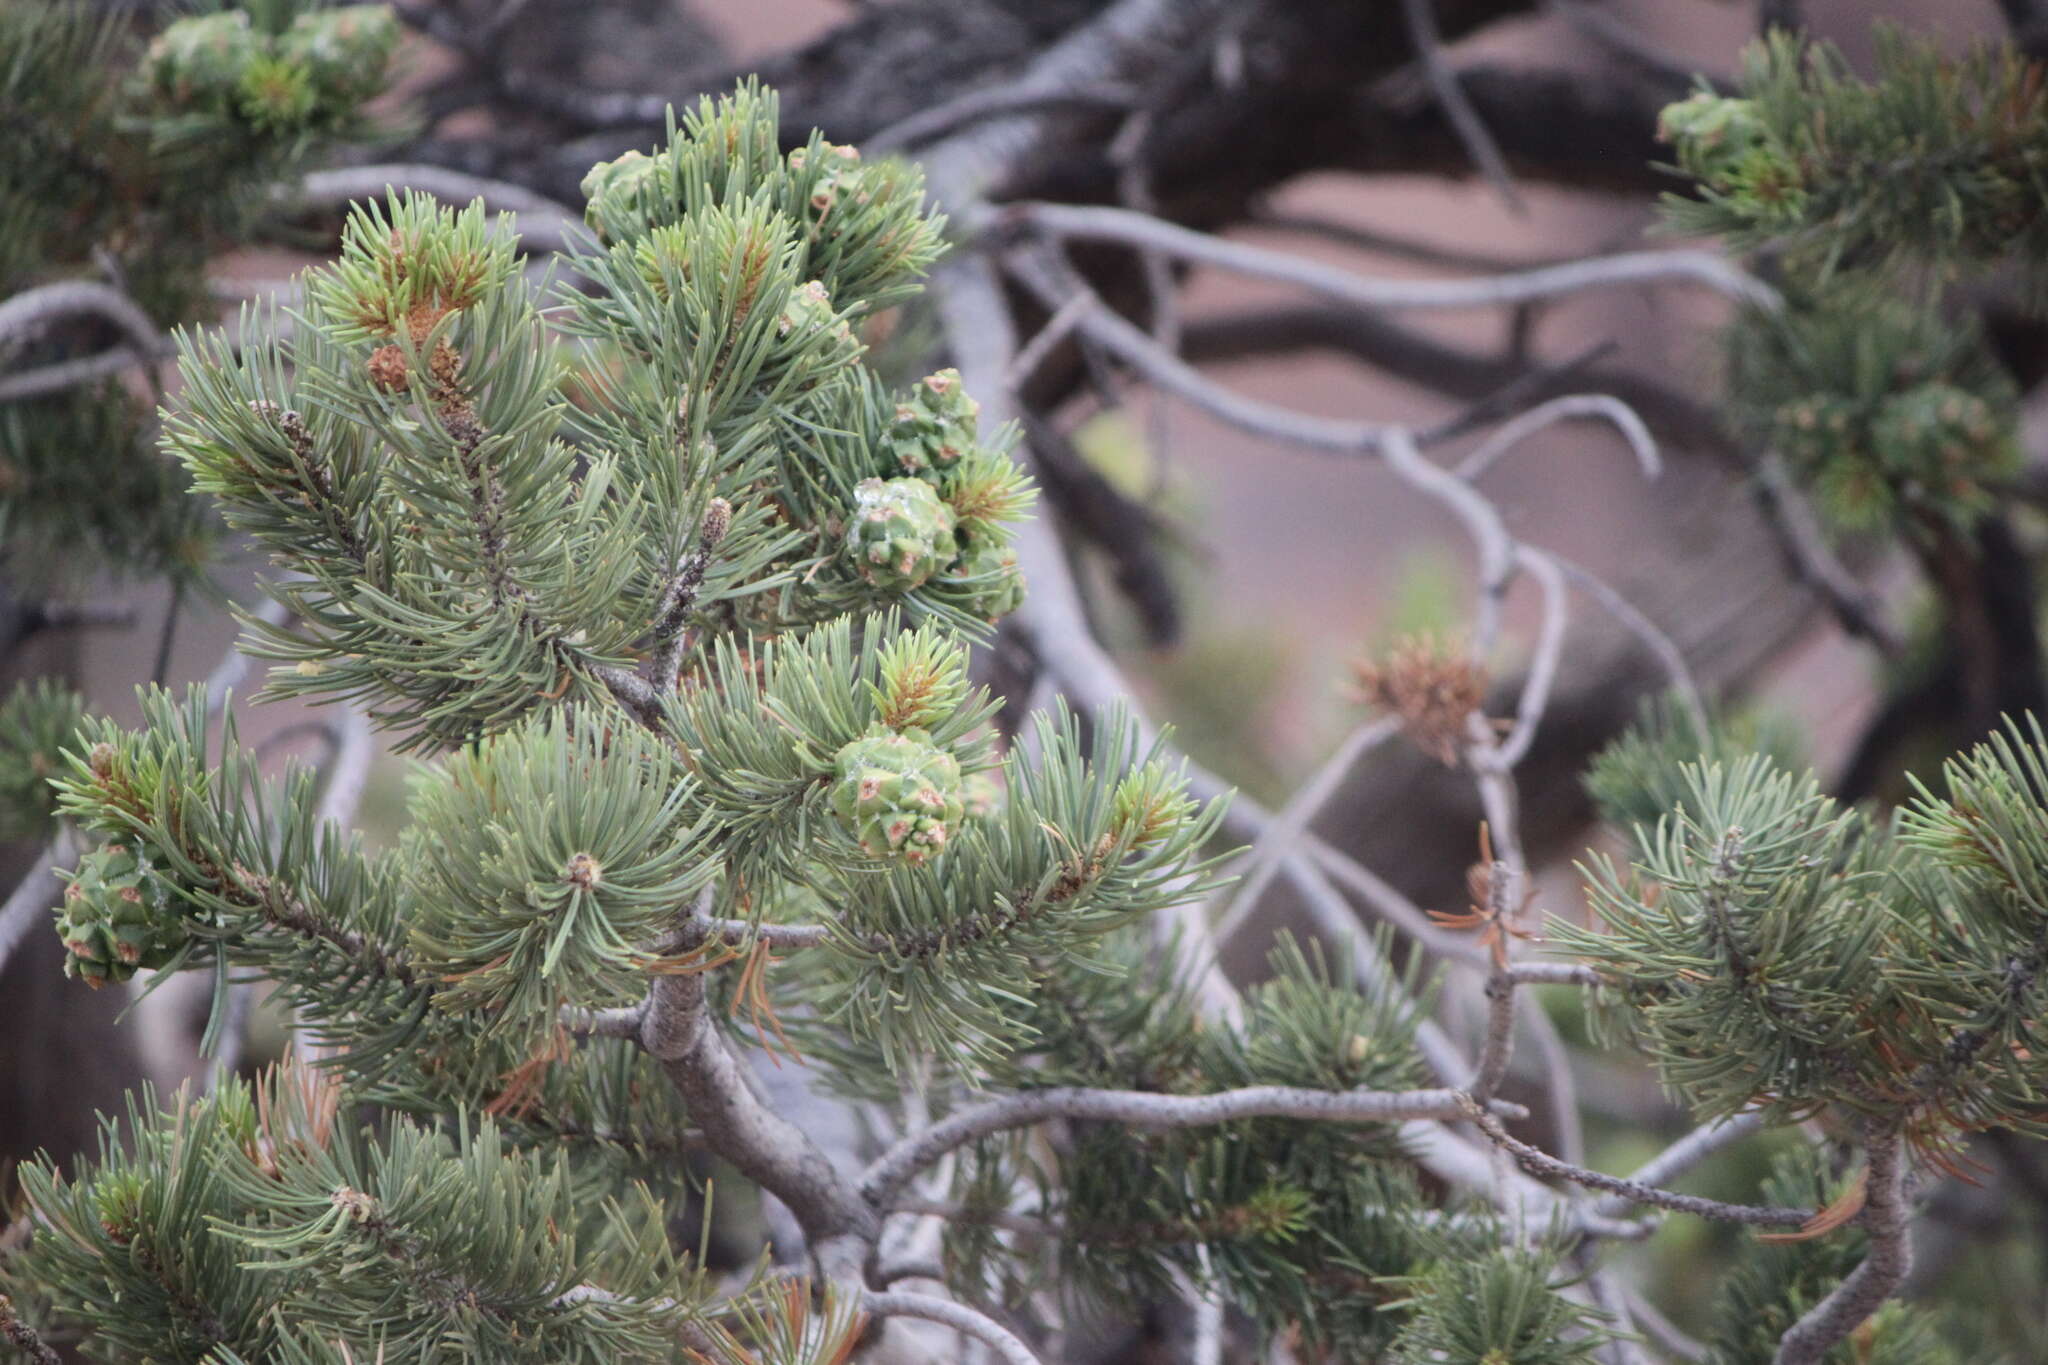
(1772,950)
(143,164)
(603,572)
(1640,777)
(544,862)
(1774,1282)
(37,722)
(602,560)
(1935,156)
(1872,195)
(238,1222)
(1498,1305)
(1888,408)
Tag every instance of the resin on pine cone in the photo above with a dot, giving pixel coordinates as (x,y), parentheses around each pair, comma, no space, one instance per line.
(901,533)
(117,917)
(935,425)
(897,794)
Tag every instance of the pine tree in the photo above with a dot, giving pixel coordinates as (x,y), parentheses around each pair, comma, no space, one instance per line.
(674,597)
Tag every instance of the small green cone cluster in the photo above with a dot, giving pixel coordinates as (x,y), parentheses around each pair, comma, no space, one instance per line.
(901,534)
(935,425)
(1725,145)
(981,795)
(117,917)
(1898,419)
(1941,435)
(859,226)
(898,794)
(614,193)
(989,571)
(197,63)
(38,721)
(934,440)
(314,73)
(343,51)
(1934,444)
(810,309)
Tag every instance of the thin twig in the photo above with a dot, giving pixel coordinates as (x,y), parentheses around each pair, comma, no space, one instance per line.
(167,634)
(1644,629)
(1540,1163)
(1122,338)
(64,374)
(1046,339)
(1450,96)
(1385,901)
(1284,831)
(1659,1330)
(1552,974)
(1372,239)
(1098,223)
(23,1337)
(1543,664)
(1205,1306)
(1162,305)
(36,894)
(622,1022)
(882,1180)
(950,116)
(967,1321)
(1625,42)
(29,312)
(1491,543)
(1854,606)
(1684,1154)
(1567,407)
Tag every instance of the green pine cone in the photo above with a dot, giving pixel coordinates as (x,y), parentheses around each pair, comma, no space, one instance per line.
(344,51)
(1712,134)
(981,795)
(1815,430)
(898,794)
(990,574)
(809,309)
(117,917)
(1939,433)
(198,63)
(614,191)
(935,425)
(900,534)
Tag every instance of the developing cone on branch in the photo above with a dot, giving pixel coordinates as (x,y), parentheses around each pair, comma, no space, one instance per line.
(117,917)
(898,794)
(991,574)
(935,425)
(900,534)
